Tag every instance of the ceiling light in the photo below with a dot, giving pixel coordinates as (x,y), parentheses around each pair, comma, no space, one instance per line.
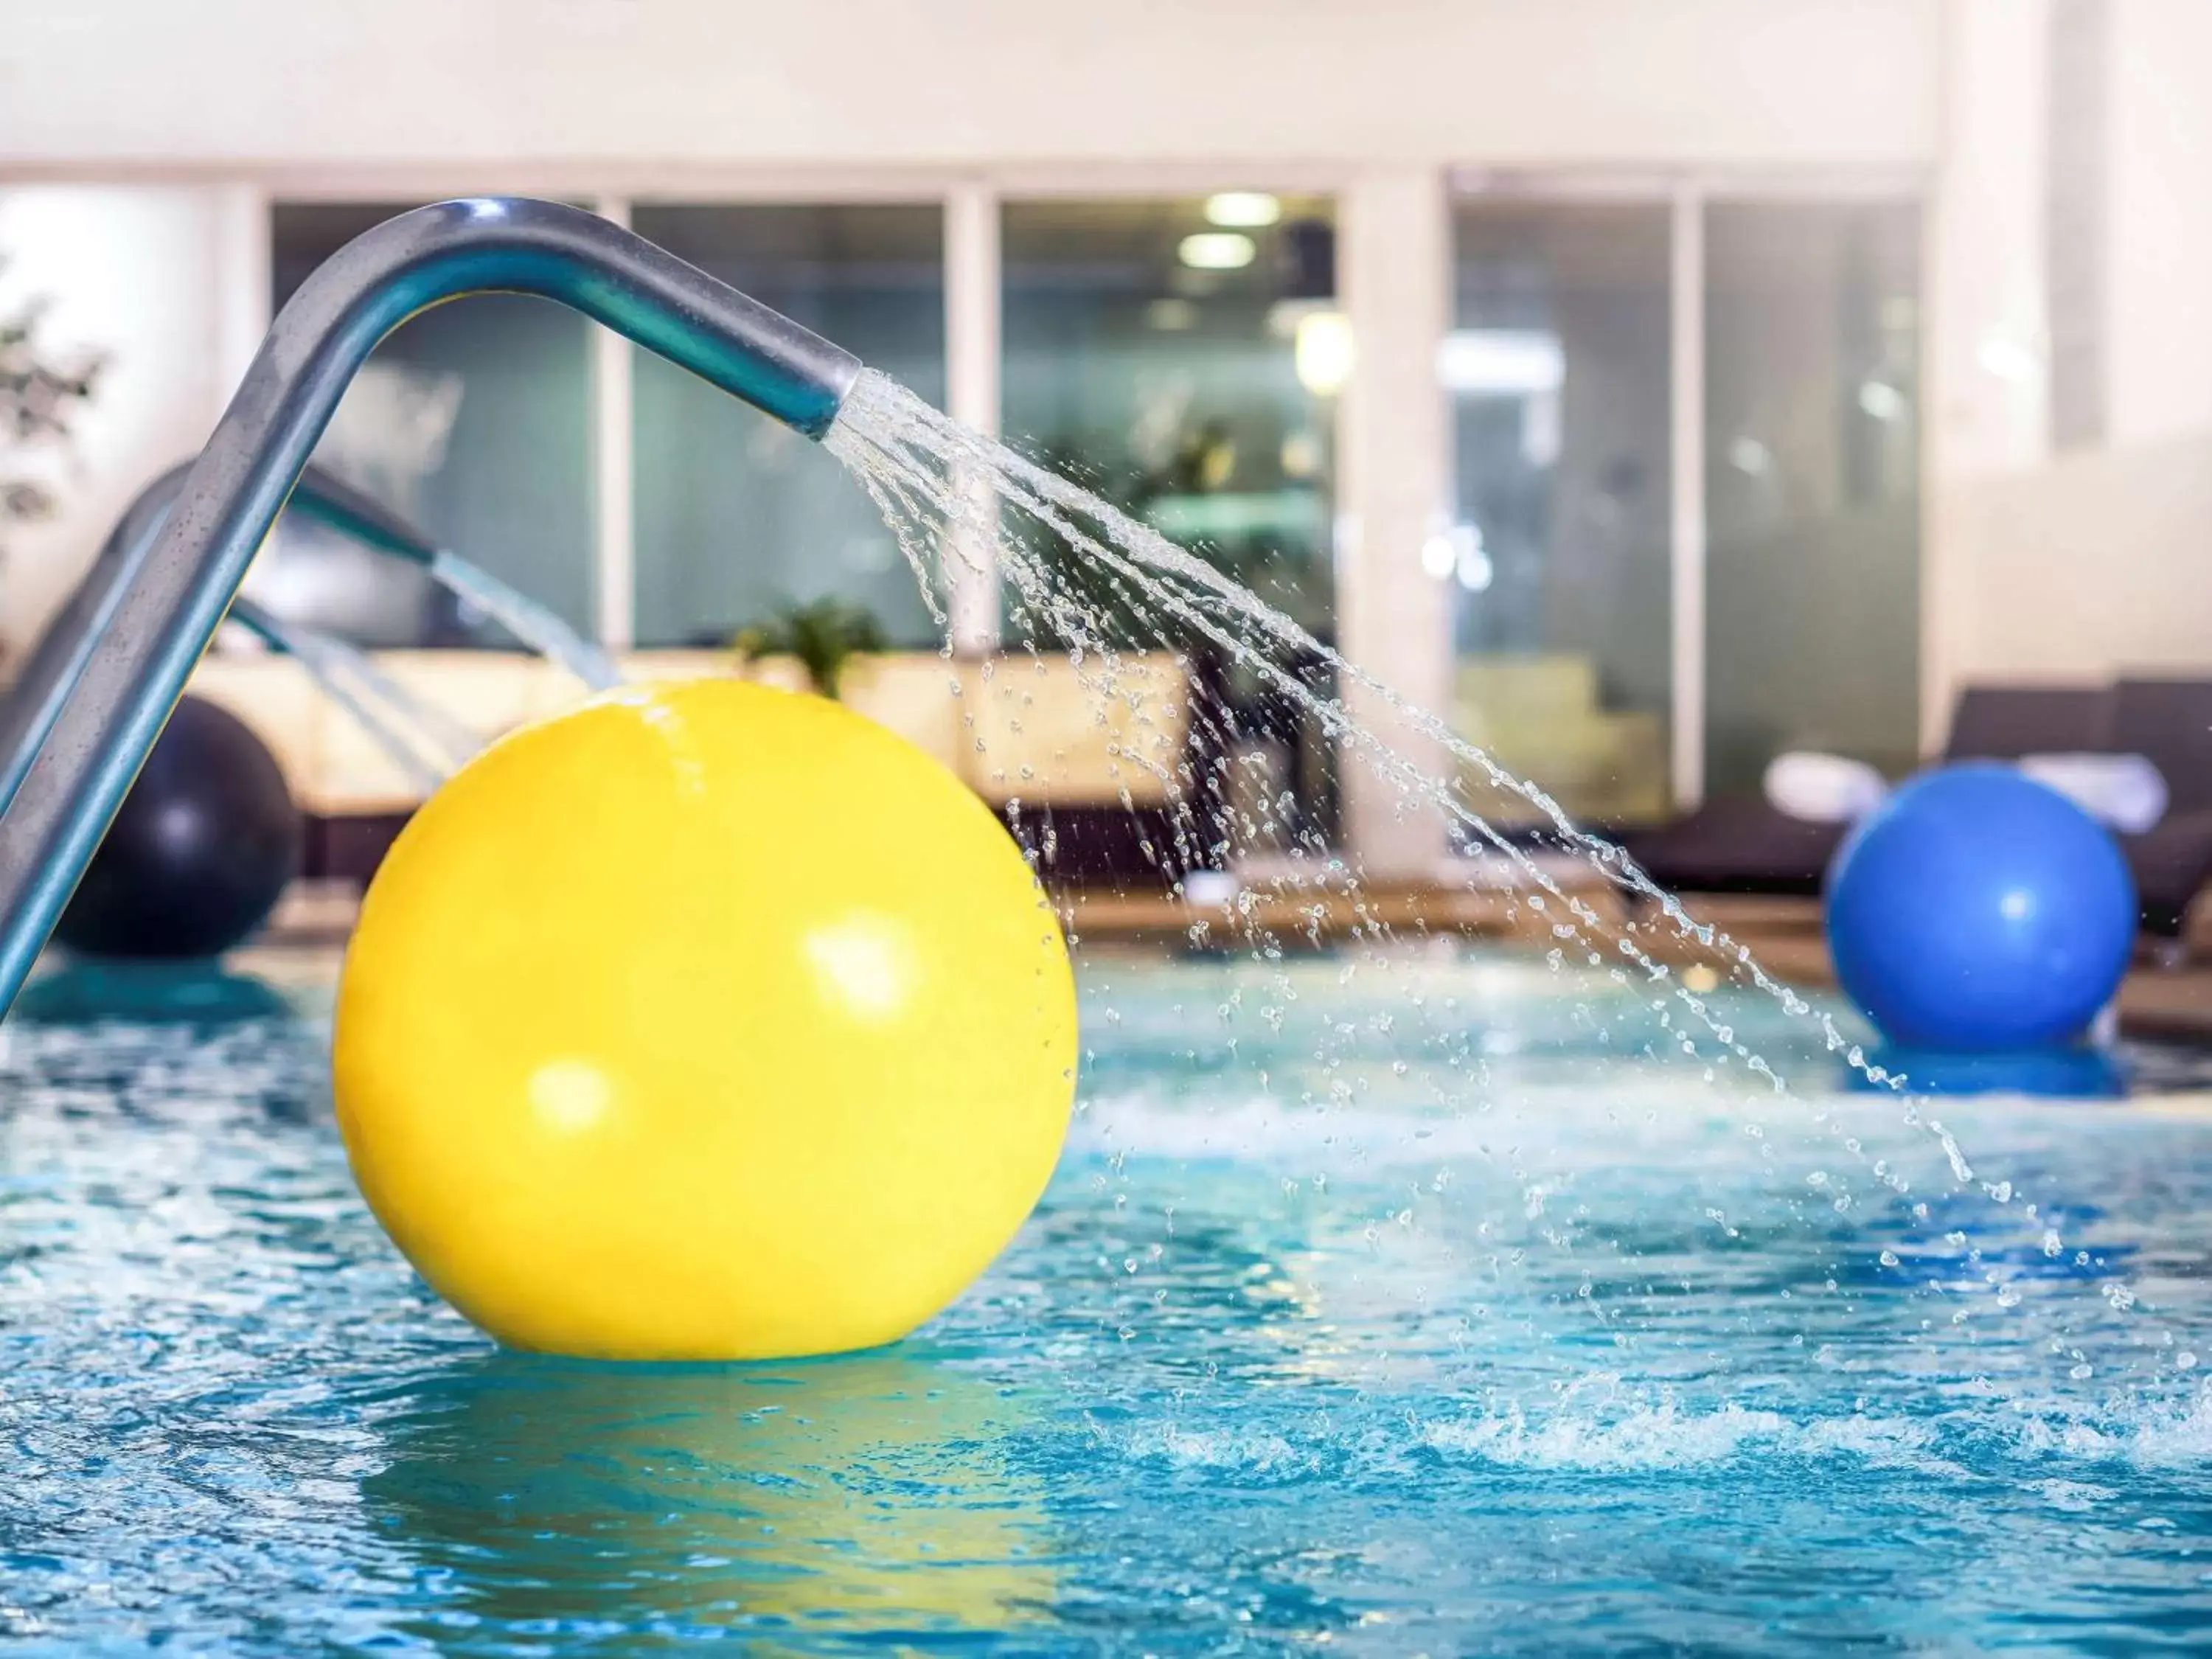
(2010,359)
(1323,352)
(1284,316)
(1216,250)
(1242,209)
(1439,556)
(1470,559)
(1501,361)
(1883,401)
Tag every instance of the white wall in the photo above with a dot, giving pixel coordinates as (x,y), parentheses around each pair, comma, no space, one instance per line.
(663,84)
(230,100)
(142,275)
(1394,490)
(1988,338)
(1985,357)
(226,102)
(2159,313)
(2097,562)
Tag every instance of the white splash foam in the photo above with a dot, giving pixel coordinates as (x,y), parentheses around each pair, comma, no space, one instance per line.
(1665,1435)
(1662,1434)
(2150,1437)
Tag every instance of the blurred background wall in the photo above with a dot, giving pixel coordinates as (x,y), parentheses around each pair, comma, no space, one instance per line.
(2071,532)
(869,82)
(1725,375)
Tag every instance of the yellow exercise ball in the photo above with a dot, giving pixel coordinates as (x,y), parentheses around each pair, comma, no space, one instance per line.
(708,1021)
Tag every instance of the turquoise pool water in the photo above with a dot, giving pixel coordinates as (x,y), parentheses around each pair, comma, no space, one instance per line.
(1431,1304)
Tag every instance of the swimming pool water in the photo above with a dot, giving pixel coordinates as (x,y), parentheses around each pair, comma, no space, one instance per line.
(1435,1305)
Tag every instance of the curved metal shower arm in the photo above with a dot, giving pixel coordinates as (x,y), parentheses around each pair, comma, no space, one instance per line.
(137,655)
(57,661)
(34,701)
(329,501)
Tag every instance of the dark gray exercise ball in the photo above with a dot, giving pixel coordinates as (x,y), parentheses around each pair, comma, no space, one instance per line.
(203,846)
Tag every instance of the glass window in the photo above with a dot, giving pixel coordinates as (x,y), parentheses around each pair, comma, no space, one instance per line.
(736,516)
(1811,455)
(1557,369)
(1182,357)
(473,420)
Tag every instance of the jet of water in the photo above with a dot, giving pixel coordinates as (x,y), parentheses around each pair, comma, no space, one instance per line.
(528,621)
(1073,562)
(424,742)
(920,467)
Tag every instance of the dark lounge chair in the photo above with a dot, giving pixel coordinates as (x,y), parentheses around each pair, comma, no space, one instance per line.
(2009,722)
(2169,721)
(1738,844)
(1745,845)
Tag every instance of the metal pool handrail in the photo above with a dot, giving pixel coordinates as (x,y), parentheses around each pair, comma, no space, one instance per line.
(120,665)
(34,702)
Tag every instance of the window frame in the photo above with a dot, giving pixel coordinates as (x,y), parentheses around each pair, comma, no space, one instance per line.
(970,200)
(1687,195)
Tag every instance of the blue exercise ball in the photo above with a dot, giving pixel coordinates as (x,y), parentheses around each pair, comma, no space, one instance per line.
(1977,909)
(2071,1071)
